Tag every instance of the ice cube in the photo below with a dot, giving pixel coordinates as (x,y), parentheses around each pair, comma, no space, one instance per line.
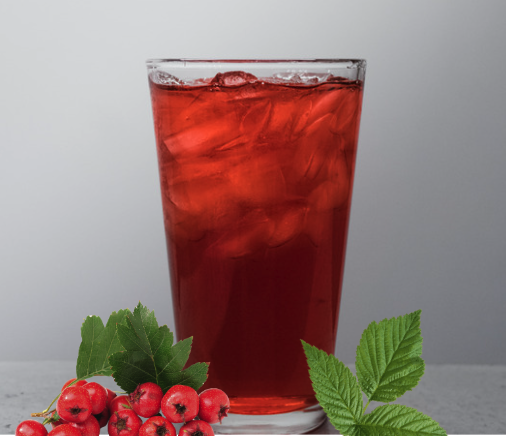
(199,167)
(287,118)
(233,78)
(327,103)
(318,225)
(202,139)
(301,77)
(314,78)
(329,195)
(246,235)
(313,149)
(288,223)
(347,113)
(198,196)
(181,226)
(286,77)
(257,180)
(279,124)
(164,78)
(255,119)
(337,79)
(302,116)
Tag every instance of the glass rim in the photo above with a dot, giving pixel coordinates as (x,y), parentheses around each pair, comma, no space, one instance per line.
(355,62)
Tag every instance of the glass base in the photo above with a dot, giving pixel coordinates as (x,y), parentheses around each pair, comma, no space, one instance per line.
(298,422)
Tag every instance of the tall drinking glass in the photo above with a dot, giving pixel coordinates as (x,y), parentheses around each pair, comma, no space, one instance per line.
(256,161)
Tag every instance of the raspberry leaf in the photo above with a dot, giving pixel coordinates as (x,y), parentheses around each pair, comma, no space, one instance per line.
(150,356)
(98,343)
(397,420)
(388,358)
(336,389)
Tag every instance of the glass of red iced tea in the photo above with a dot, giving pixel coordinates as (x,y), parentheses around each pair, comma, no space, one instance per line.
(256,162)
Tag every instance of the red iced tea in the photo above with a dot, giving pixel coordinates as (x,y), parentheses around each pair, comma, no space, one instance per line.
(256,178)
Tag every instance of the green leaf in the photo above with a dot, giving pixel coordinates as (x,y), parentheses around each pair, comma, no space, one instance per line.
(98,343)
(149,355)
(388,358)
(397,420)
(336,388)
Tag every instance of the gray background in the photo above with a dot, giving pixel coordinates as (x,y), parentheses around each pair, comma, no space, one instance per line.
(81,228)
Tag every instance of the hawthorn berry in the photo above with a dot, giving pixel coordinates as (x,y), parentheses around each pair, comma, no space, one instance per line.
(103,417)
(78,383)
(65,430)
(90,427)
(110,396)
(180,404)
(30,427)
(196,428)
(213,405)
(121,402)
(157,426)
(124,423)
(98,397)
(74,404)
(146,399)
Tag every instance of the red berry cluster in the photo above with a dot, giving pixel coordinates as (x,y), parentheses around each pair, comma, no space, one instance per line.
(83,408)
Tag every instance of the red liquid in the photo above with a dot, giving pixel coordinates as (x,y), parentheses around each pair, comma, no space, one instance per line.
(256,183)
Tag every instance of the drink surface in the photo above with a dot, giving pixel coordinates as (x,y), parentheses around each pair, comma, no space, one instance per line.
(256,179)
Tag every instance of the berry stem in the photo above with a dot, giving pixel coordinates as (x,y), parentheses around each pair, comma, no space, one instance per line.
(52,402)
(43,414)
(46,412)
(49,419)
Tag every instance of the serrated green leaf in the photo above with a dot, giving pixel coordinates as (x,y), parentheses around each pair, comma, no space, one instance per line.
(150,356)
(388,358)
(397,420)
(98,343)
(336,388)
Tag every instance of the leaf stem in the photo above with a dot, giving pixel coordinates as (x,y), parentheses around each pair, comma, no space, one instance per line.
(365,408)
